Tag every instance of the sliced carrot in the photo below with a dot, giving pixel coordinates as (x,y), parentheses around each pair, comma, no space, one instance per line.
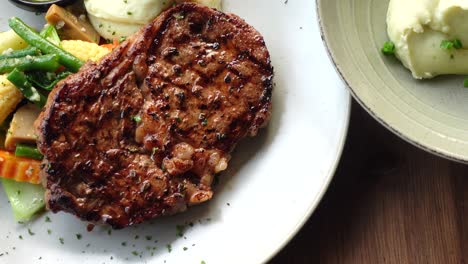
(19,169)
(112,45)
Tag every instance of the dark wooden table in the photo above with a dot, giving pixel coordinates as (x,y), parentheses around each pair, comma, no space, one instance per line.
(389,202)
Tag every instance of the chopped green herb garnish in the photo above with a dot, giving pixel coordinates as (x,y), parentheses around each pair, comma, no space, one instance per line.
(30,232)
(62,241)
(451,44)
(180,230)
(135,253)
(47,219)
(109,232)
(169,248)
(136,119)
(20,237)
(446,44)
(185,248)
(388,48)
(49,231)
(124,244)
(465,82)
(179,16)
(148,237)
(78,236)
(202,262)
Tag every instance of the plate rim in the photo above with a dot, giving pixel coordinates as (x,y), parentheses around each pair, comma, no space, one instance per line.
(444,153)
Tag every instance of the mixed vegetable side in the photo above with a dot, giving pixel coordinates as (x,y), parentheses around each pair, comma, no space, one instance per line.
(31,64)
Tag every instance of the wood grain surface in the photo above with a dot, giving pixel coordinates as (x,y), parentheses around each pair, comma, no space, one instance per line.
(389,202)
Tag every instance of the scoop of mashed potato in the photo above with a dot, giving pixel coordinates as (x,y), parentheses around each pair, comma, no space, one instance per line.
(419,27)
(119,19)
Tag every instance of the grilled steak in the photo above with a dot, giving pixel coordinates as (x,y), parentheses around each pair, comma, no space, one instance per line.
(142,133)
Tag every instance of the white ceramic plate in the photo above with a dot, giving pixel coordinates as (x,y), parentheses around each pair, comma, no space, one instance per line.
(270,189)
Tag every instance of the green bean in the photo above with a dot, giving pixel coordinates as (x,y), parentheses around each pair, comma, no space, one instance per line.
(45,63)
(51,34)
(29,51)
(19,79)
(34,39)
(46,80)
(26,151)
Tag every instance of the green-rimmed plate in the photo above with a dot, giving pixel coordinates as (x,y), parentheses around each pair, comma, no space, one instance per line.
(432,114)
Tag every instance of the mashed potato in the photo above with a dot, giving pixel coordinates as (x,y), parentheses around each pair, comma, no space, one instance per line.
(419,27)
(116,19)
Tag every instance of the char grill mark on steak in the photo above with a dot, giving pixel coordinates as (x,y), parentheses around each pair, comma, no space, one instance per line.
(142,133)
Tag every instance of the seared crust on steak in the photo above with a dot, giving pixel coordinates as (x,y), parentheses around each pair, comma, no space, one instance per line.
(143,132)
